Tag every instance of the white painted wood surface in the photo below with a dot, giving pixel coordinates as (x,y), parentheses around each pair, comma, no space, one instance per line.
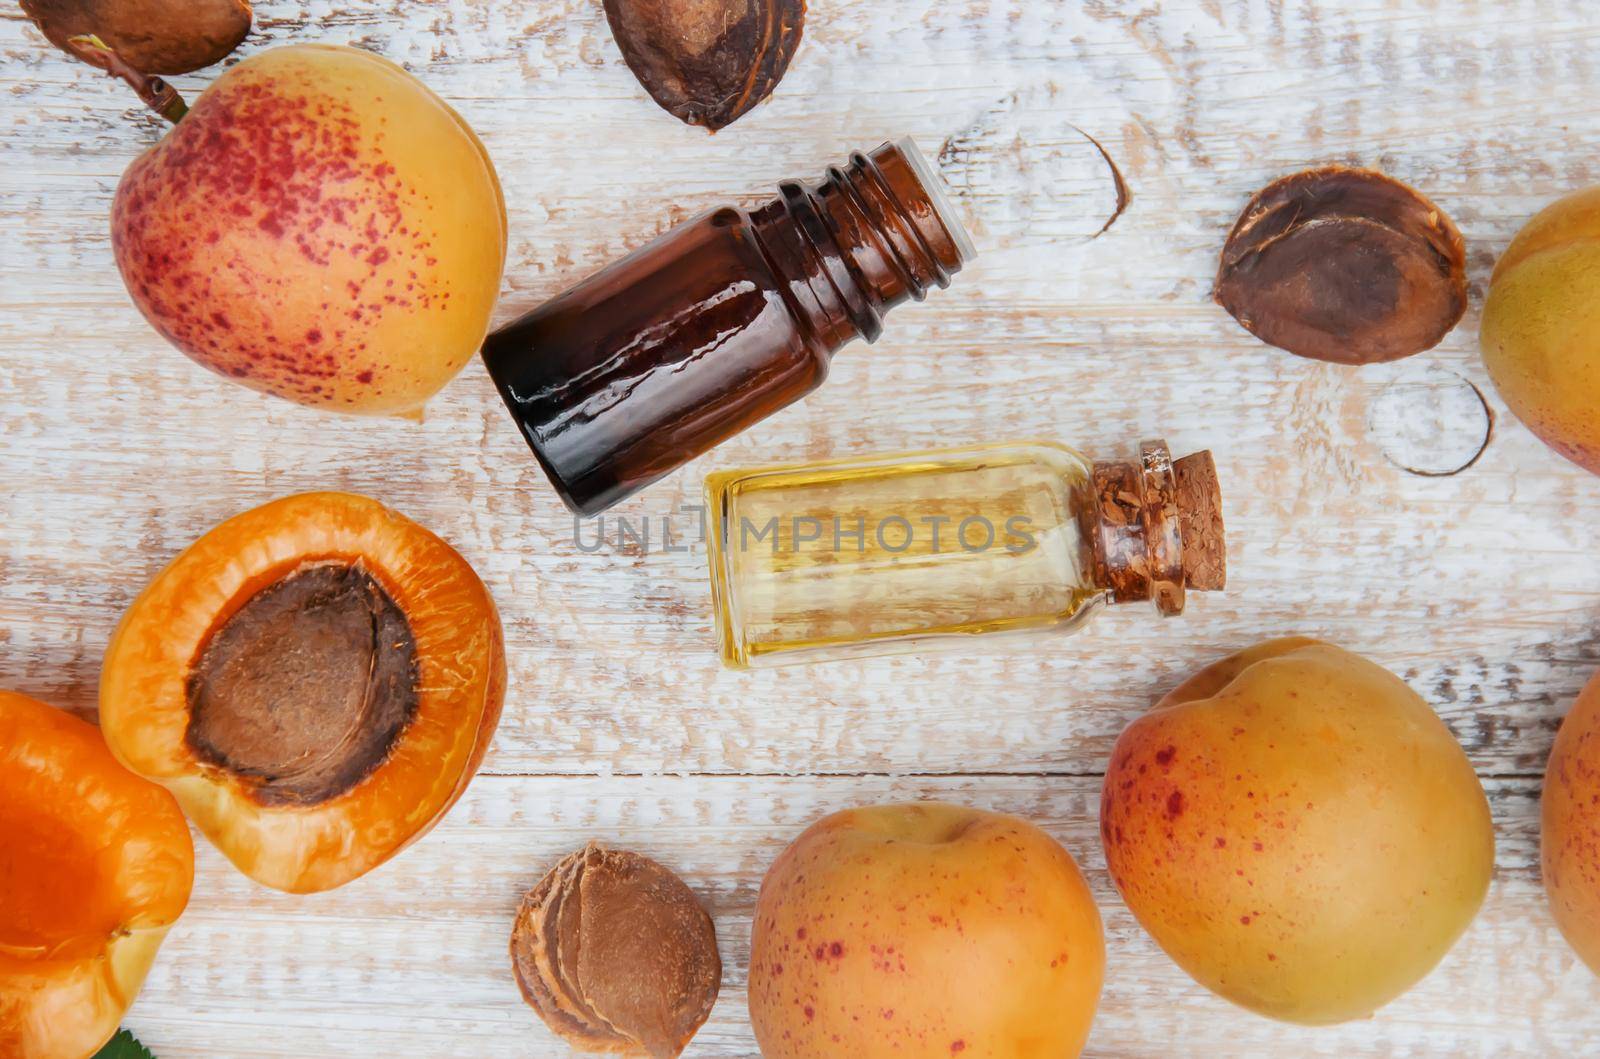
(1482,588)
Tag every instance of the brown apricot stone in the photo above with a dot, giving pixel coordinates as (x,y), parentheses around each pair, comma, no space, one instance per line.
(316,680)
(1344,265)
(306,687)
(707,62)
(616,954)
(152,36)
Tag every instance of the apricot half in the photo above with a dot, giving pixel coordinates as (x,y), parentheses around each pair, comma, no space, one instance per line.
(1298,830)
(1541,327)
(1571,826)
(95,866)
(316,680)
(924,931)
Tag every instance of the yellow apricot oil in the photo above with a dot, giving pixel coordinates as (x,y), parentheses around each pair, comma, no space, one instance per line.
(875,555)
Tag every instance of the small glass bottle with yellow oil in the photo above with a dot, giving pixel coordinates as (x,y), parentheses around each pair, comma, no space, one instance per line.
(878,555)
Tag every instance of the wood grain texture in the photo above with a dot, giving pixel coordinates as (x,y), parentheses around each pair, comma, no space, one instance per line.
(413,958)
(1481,589)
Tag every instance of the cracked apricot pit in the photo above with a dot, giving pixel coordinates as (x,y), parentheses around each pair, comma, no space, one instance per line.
(616,954)
(95,866)
(316,680)
(152,36)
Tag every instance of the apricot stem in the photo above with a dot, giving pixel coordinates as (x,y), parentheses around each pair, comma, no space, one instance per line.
(156,93)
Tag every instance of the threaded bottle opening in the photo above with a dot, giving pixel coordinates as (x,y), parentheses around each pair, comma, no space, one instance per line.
(939,198)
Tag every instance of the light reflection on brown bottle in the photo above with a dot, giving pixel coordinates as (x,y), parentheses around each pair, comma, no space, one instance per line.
(719,323)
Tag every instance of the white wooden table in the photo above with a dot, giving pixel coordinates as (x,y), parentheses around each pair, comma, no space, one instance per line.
(1482,588)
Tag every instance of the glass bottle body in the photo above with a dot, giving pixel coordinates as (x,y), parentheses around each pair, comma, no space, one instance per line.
(658,358)
(884,554)
(719,323)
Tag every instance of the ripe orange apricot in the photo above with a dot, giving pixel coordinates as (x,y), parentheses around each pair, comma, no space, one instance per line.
(924,931)
(1298,830)
(316,680)
(95,865)
(1570,837)
(1541,326)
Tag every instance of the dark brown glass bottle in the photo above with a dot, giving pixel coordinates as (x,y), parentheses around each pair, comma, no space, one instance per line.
(719,323)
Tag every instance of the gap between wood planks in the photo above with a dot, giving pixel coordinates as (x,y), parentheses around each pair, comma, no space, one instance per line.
(1509,776)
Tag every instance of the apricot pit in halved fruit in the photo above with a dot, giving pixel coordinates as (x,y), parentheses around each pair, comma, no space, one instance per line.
(316,680)
(95,865)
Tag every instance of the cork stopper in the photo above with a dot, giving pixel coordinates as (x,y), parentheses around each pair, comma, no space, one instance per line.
(1158,527)
(1205,543)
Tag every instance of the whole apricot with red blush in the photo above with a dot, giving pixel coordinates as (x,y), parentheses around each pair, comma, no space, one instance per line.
(1298,830)
(319,226)
(923,931)
(95,867)
(1571,826)
(316,680)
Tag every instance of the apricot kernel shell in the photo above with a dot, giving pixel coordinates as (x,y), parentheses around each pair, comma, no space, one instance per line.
(616,954)
(1344,265)
(151,36)
(707,62)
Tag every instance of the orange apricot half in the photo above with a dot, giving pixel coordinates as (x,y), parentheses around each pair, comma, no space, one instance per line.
(95,865)
(316,680)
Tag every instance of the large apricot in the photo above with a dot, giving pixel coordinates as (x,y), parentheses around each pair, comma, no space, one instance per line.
(1571,832)
(316,681)
(95,866)
(319,226)
(1541,327)
(924,931)
(1298,830)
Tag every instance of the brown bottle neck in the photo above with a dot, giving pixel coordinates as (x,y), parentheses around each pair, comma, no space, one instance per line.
(866,238)
(1155,527)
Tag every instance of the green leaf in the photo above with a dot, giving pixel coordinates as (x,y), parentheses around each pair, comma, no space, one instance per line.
(124,1046)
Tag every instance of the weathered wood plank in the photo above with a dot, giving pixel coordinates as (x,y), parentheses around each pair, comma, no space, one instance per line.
(412,959)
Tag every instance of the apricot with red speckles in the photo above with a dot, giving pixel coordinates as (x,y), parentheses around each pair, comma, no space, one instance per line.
(923,931)
(320,227)
(1571,839)
(1298,830)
